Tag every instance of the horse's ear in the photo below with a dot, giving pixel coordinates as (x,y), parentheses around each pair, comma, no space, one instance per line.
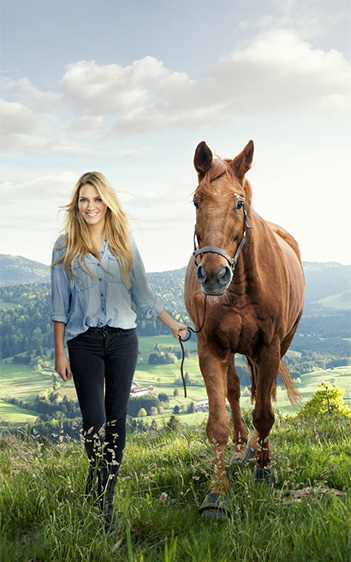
(203,158)
(242,162)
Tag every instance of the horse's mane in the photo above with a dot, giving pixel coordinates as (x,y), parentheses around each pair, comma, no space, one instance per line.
(218,168)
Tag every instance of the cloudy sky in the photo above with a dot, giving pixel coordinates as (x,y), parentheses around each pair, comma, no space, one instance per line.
(130,88)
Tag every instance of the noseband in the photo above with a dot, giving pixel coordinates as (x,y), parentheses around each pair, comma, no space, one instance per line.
(216,250)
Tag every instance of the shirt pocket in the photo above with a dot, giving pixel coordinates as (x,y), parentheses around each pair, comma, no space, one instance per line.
(114,269)
(81,278)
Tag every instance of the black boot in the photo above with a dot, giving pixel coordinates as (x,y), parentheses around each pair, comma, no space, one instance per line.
(107,483)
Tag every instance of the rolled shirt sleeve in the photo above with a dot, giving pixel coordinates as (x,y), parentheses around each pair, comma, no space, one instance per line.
(100,298)
(60,291)
(142,294)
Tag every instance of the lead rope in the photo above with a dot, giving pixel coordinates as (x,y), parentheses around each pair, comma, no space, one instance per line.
(190,330)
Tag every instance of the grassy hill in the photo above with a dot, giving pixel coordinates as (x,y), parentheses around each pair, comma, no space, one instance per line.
(163,478)
(16,270)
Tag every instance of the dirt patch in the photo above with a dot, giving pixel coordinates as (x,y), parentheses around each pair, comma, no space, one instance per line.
(312,493)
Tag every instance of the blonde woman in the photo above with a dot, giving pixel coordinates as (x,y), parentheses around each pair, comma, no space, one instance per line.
(96,273)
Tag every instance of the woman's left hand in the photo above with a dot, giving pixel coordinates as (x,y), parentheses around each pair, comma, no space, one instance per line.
(179,331)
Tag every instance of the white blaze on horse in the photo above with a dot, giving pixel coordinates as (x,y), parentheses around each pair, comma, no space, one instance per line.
(250,272)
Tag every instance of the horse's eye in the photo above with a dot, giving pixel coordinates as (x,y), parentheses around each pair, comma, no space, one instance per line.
(196,203)
(240,205)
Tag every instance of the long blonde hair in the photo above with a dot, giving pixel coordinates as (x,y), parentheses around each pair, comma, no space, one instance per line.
(75,233)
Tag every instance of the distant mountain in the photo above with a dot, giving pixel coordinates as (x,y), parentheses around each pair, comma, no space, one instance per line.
(16,270)
(328,285)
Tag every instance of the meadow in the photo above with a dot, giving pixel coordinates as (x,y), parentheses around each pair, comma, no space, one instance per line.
(24,383)
(307,517)
(164,476)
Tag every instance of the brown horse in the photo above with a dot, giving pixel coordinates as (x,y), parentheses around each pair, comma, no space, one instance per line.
(246,277)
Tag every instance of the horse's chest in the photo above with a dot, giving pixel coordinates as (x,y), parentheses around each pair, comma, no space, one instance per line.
(238,331)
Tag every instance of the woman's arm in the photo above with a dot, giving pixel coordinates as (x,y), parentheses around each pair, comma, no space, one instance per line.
(178,329)
(62,366)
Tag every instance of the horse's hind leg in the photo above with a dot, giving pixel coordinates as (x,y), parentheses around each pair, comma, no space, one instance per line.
(263,414)
(233,395)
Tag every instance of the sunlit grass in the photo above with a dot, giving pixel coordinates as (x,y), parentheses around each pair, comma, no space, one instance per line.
(163,479)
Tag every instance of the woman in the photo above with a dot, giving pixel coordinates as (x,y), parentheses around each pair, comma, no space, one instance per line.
(96,273)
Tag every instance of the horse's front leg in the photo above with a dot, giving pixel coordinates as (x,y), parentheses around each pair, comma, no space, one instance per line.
(233,395)
(214,366)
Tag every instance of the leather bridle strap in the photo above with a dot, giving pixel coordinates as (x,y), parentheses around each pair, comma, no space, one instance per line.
(216,250)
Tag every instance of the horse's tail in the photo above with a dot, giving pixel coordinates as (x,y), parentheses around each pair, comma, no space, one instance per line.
(293,393)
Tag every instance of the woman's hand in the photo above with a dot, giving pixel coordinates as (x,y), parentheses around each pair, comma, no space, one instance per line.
(62,366)
(178,329)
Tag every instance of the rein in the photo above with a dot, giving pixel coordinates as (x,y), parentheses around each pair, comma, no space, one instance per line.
(190,330)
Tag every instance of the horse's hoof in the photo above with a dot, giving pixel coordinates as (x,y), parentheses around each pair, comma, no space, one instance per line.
(250,457)
(266,476)
(237,458)
(214,505)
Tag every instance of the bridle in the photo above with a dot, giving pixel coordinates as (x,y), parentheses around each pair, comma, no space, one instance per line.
(216,250)
(232,262)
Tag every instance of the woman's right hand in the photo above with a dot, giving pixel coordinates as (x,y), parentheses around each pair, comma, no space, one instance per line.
(62,367)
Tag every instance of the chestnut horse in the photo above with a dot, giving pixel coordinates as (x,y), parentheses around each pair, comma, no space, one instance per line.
(249,273)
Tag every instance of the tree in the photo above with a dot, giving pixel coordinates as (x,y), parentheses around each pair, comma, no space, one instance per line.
(174,423)
(191,408)
(142,413)
(326,400)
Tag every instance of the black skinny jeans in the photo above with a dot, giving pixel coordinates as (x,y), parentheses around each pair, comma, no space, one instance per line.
(103,362)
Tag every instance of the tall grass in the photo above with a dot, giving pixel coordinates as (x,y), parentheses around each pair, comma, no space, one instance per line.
(164,476)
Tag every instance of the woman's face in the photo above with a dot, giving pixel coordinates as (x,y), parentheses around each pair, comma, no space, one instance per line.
(91,206)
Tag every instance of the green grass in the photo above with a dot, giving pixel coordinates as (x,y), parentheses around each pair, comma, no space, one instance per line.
(45,518)
(13,414)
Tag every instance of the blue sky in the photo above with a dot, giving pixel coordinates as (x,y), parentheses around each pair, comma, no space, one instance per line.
(130,88)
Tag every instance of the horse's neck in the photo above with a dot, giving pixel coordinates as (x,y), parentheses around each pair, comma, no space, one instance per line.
(248,265)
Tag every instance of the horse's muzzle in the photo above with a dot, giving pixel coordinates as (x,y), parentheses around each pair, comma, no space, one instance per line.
(216,283)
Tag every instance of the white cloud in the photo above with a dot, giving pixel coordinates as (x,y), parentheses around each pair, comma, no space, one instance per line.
(48,187)
(279,71)
(110,88)
(276,71)
(34,99)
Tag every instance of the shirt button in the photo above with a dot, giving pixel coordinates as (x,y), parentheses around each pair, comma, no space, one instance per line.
(100,278)
(102,294)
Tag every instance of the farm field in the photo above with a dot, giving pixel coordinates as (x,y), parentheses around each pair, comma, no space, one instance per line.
(24,383)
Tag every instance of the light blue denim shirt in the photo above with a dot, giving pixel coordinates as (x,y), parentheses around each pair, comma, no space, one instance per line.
(101,300)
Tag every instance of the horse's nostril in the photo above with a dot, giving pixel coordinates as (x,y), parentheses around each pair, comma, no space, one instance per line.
(201,274)
(225,276)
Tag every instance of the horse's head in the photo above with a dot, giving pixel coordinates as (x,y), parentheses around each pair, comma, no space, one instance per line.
(222,200)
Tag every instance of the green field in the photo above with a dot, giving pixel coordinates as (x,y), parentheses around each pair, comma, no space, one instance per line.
(164,476)
(24,383)
(13,414)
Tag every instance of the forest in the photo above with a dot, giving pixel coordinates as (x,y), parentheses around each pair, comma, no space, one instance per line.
(322,340)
